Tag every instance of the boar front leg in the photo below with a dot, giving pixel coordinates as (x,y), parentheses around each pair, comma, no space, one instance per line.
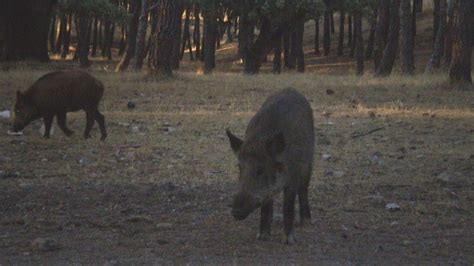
(289,215)
(266,217)
(48,122)
(89,123)
(61,117)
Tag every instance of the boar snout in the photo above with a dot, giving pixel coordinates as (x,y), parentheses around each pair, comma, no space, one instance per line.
(242,205)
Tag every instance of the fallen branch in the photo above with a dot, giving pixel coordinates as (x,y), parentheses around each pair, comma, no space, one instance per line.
(368,132)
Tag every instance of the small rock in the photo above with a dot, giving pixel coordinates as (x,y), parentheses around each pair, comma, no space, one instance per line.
(135,129)
(329,92)
(45,244)
(123,124)
(168,129)
(131,105)
(164,226)
(327,157)
(444,177)
(392,207)
(130,156)
(392,224)
(44,160)
(338,173)
(327,114)
(83,161)
(5,114)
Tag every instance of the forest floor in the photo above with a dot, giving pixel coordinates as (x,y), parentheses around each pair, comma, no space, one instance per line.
(156,191)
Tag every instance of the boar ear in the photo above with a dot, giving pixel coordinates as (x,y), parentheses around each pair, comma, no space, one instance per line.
(235,142)
(276,144)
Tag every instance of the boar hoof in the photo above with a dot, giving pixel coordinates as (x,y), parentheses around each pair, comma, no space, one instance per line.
(263,236)
(289,239)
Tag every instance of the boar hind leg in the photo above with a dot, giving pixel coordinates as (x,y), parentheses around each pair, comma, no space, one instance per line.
(266,217)
(101,121)
(48,122)
(305,213)
(61,117)
(289,215)
(89,123)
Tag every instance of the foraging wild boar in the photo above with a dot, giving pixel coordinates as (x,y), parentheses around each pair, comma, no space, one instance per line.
(56,94)
(276,154)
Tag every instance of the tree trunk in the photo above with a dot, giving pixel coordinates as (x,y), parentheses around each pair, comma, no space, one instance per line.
(316,37)
(436,6)
(340,42)
(197,31)
(210,36)
(67,38)
(246,31)
(177,40)
(277,57)
(82,45)
(299,34)
(349,30)
(141,36)
(154,23)
(435,60)
(24,30)
(460,71)
(327,33)
(381,31)
(359,43)
(390,51)
(333,28)
(186,35)
(135,11)
(408,38)
(95,36)
(286,48)
(354,37)
(61,34)
(418,5)
(293,49)
(52,34)
(370,43)
(123,39)
(161,51)
(448,44)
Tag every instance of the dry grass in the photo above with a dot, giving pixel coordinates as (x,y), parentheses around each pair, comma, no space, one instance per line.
(428,134)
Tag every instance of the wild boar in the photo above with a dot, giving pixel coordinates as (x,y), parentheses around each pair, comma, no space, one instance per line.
(56,94)
(276,154)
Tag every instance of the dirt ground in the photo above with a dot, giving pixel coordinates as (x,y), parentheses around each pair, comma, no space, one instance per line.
(156,191)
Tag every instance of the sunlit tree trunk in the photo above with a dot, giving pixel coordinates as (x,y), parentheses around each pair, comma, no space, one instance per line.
(381,31)
(135,11)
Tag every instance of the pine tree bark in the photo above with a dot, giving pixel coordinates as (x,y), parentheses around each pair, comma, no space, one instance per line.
(436,13)
(210,36)
(286,48)
(370,42)
(24,30)
(277,57)
(293,49)
(408,38)
(354,37)
(82,44)
(161,51)
(299,34)
(327,33)
(177,40)
(448,44)
(95,36)
(67,38)
(141,36)
(52,34)
(359,43)
(435,60)
(316,37)
(135,11)
(186,35)
(349,30)
(460,71)
(197,31)
(381,31)
(333,28)
(340,42)
(246,32)
(390,51)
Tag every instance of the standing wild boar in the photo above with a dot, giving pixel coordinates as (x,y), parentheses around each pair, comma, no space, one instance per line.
(56,94)
(276,154)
